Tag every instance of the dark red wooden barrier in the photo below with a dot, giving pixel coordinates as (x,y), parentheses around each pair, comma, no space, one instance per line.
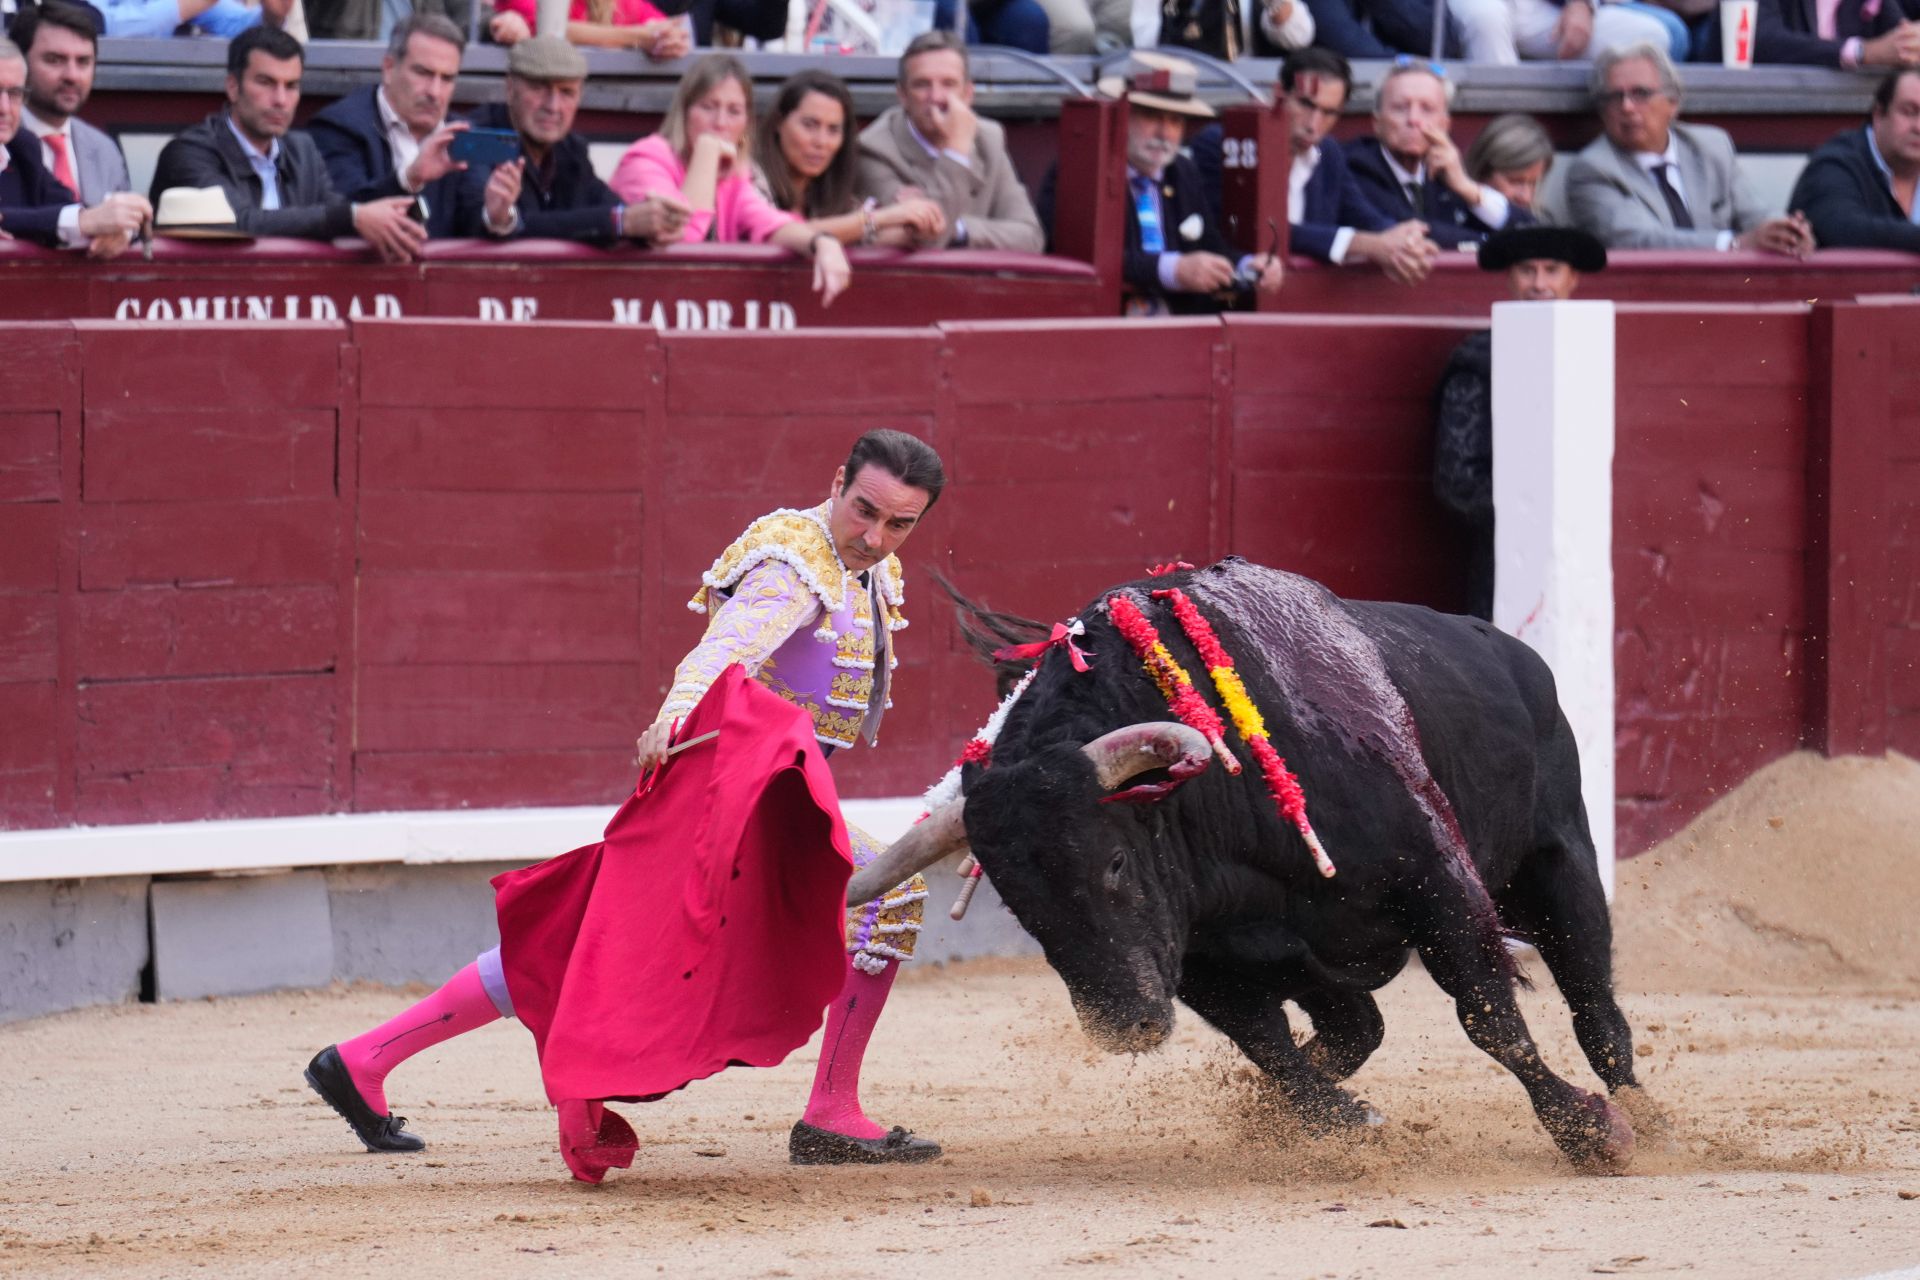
(270,569)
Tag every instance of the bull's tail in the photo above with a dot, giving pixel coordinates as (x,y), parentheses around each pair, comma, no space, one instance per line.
(988,629)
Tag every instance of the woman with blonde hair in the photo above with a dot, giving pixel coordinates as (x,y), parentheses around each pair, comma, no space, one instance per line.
(703,157)
(1512,155)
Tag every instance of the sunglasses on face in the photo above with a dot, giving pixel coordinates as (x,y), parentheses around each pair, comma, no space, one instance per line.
(1639,96)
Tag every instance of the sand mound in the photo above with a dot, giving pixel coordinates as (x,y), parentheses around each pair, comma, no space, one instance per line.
(1807,875)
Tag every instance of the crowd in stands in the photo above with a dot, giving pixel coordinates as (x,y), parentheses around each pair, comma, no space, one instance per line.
(389,163)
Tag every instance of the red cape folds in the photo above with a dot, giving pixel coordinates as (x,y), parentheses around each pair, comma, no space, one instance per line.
(707,929)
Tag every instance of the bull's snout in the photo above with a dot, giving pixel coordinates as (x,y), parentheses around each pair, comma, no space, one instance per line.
(1137,1031)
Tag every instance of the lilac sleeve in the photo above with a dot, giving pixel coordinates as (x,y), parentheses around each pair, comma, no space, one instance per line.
(766,608)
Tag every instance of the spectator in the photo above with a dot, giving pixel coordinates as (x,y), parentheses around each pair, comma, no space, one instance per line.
(1017,24)
(1542,264)
(157,19)
(933,146)
(600,24)
(761,19)
(1857,190)
(1505,31)
(550,190)
(1411,169)
(1332,221)
(1176,258)
(376,19)
(60,42)
(275,180)
(702,159)
(392,138)
(34,205)
(806,168)
(1373,28)
(1652,183)
(1512,155)
(1832,33)
(1230,28)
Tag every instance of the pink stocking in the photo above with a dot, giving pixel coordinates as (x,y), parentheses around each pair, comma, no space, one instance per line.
(835,1103)
(454,1009)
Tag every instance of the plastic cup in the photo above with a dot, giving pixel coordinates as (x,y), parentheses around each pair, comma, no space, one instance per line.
(1737,19)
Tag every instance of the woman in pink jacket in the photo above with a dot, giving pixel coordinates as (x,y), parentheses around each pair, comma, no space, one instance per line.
(702,156)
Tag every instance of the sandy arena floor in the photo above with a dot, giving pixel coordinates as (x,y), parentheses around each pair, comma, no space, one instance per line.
(179,1140)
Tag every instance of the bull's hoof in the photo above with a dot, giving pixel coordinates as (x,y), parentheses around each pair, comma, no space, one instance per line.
(1342,1114)
(1595,1135)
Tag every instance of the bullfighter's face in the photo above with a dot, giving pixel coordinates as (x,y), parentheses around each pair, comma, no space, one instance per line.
(1087,880)
(872,514)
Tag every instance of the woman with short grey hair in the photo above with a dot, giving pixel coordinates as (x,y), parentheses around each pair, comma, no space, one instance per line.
(1512,155)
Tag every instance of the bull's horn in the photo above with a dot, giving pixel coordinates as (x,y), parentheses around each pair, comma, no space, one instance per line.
(939,834)
(1154,744)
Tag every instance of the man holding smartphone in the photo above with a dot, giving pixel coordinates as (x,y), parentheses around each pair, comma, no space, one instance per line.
(550,190)
(393,138)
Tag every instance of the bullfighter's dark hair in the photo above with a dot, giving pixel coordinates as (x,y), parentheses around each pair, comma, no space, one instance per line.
(908,459)
(271,41)
(1882,92)
(1314,61)
(68,17)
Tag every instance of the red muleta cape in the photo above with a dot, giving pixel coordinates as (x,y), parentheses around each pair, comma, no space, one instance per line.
(705,930)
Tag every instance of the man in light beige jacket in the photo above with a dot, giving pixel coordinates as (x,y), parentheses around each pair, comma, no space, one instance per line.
(933,146)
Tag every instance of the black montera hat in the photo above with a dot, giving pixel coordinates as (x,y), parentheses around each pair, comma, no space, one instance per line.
(1523,244)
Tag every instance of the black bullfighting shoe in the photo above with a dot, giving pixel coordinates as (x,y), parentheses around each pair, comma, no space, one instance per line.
(810,1145)
(327,1075)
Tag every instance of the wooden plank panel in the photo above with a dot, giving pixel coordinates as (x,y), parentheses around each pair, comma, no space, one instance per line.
(1709,588)
(1377,437)
(136,454)
(1717,506)
(499,533)
(1042,362)
(39,371)
(492,450)
(191,793)
(28,712)
(385,780)
(1137,444)
(1065,521)
(210,543)
(1696,756)
(29,456)
(283,724)
(529,707)
(1751,426)
(162,631)
(1341,357)
(29,638)
(29,546)
(477,364)
(777,458)
(503,618)
(1750,348)
(27,800)
(869,371)
(285,364)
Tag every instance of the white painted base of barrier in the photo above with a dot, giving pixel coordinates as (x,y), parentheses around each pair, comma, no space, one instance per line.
(1553,429)
(460,835)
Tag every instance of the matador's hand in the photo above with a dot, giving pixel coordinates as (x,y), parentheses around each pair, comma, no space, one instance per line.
(650,749)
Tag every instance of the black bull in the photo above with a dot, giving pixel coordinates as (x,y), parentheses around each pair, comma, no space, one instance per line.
(1439,772)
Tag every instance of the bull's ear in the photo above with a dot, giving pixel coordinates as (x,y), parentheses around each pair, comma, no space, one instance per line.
(970,773)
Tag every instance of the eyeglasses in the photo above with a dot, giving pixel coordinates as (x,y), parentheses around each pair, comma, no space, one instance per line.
(16,94)
(1639,96)
(1407,62)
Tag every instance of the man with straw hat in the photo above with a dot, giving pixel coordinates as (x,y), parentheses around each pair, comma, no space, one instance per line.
(1176,258)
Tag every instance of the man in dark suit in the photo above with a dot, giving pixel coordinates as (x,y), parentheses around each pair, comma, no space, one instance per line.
(34,205)
(550,190)
(274,179)
(1176,258)
(1372,28)
(1850,34)
(1858,189)
(1411,169)
(1332,221)
(392,138)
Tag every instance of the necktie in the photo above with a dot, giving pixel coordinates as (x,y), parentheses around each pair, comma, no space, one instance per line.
(1675,205)
(1415,199)
(62,162)
(1146,207)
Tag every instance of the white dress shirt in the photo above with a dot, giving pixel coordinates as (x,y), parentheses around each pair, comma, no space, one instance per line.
(1493,209)
(400,140)
(1651,160)
(1298,176)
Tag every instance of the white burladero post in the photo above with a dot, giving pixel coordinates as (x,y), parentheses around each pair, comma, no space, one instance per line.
(550,18)
(1553,529)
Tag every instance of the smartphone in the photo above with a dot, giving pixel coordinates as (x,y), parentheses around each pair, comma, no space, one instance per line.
(482,147)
